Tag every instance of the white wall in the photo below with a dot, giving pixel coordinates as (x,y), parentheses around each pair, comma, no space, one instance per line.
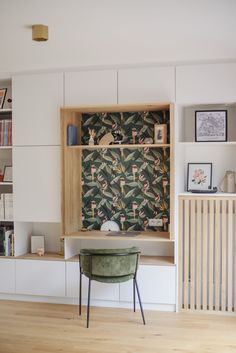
(118,32)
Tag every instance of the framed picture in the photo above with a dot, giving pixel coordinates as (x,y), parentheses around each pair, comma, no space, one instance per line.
(211,125)
(199,176)
(3,92)
(7,177)
(160,133)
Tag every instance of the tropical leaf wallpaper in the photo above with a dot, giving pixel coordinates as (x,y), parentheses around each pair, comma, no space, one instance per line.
(128,186)
(133,126)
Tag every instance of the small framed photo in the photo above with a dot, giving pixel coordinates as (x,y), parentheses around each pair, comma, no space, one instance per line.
(199,176)
(3,92)
(211,125)
(160,133)
(7,177)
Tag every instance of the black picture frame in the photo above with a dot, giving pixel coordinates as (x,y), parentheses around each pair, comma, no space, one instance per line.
(3,92)
(199,174)
(211,126)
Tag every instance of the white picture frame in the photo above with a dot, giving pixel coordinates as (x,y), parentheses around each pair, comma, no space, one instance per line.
(199,176)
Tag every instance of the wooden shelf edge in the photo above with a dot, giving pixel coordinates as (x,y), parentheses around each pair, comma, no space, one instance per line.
(144,236)
(45,257)
(144,260)
(152,145)
(116,108)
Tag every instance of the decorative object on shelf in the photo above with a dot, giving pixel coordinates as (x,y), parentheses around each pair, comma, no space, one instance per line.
(3,92)
(199,176)
(148,141)
(37,242)
(7,177)
(107,139)
(118,137)
(228,183)
(39,32)
(71,135)
(110,226)
(40,251)
(91,136)
(160,133)
(9,101)
(211,125)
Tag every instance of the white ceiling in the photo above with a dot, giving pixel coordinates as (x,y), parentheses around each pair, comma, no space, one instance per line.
(115,32)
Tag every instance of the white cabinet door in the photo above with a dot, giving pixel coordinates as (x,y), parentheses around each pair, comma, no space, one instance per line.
(146,85)
(99,291)
(209,83)
(36,178)
(91,87)
(72,279)
(7,276)
(40,277)
(36,109)
(156,285)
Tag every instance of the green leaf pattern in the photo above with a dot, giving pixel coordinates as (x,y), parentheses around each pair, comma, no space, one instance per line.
(127,190)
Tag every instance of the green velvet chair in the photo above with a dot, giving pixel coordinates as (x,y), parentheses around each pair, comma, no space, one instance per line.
(109,266)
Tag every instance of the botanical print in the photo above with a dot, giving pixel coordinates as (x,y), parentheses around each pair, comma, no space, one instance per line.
(134,127)
(125,185)
(198,177)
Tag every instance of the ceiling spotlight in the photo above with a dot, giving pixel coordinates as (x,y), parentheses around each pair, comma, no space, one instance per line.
(40,33)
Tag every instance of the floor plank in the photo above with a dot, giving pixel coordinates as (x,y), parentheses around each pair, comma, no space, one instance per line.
(47,328)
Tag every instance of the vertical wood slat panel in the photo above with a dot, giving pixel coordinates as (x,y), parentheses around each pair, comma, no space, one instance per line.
(180,258)
(209,259)
(211,253)
(199,255)
(192,253)
(217,255)
(224,257)
(186,253)
(234,264)
(204,254)
(230,254)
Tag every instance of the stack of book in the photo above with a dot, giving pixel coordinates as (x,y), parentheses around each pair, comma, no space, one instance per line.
(6,241)
(6,206)
(6,132)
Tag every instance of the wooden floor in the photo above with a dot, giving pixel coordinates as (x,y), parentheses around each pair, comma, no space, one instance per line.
(40,328)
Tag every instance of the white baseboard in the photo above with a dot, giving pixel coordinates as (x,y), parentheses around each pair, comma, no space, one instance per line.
(75,301)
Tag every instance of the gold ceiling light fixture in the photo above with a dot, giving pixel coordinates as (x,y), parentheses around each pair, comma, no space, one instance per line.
(40,33)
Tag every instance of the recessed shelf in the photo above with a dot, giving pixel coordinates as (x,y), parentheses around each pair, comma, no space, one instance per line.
(216,194)
(85,147)
(45,257)
(5,147)
(192,143)
(5,111)
(144,260)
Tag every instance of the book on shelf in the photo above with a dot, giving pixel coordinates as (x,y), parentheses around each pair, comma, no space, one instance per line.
(6,132)
(6,206)
(6,240)
(71,135)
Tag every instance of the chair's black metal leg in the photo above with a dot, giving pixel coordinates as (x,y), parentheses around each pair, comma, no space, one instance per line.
(140,303)
(134,293)
(80,292)
(88,306)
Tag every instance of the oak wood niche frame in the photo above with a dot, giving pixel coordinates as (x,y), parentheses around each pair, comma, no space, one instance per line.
(71,158)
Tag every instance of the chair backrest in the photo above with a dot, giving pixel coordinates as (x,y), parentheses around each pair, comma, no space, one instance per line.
(111,265)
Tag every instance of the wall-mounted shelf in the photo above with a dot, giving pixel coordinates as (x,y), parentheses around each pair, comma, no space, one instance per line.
(83,147)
